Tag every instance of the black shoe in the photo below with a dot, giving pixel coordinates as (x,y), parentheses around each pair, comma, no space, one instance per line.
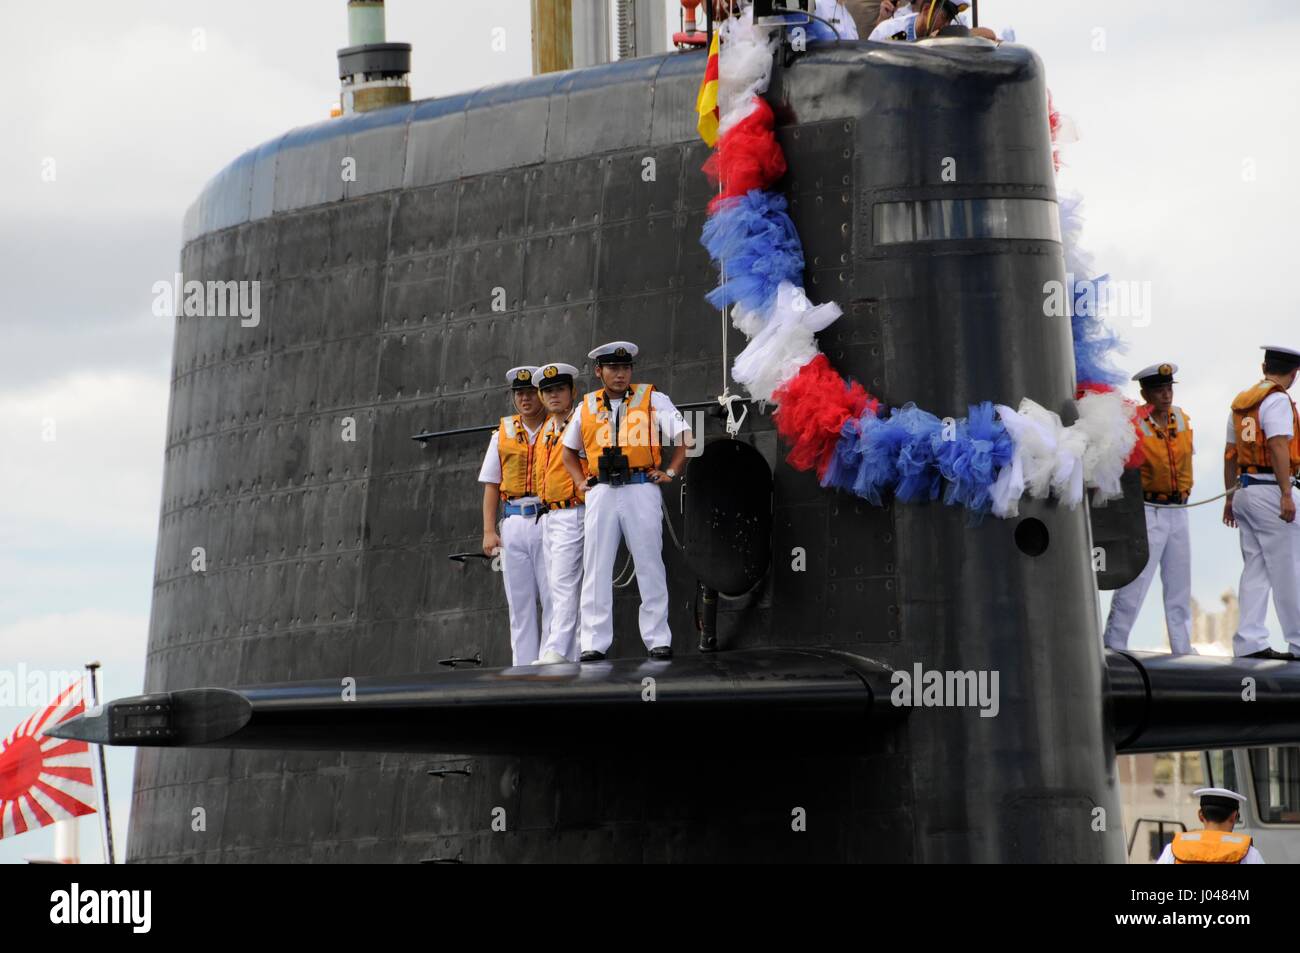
(1272,654)
(661,652)
(591,657)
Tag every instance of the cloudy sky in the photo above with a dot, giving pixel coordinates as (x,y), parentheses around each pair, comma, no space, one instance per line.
(1186,135)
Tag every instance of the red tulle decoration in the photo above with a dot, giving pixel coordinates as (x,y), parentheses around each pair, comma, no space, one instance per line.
(1054,124)
(813,407)
(1092,387)
(1139,455)
(1140,412)
(747,157)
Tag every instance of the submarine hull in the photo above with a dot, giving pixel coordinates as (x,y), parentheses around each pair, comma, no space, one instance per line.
(532,221)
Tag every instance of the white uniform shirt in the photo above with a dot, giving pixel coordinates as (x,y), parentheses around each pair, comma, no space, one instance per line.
(669,419)
(1252,856)
(490,472)
(835,12)
(1274,420)
(905,23)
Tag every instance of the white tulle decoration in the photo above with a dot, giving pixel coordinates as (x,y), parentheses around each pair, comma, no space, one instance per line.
(784,344)
(1052,458)
(747,322)
(1048,459)
(744,67)
(1009,487)
(1107,420)
(1067,479)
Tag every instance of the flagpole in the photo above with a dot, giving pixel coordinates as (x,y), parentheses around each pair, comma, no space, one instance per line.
(92,668)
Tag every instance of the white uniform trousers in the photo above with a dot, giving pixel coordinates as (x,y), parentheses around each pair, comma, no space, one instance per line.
(523,570)
(634,513)
(562,535)
(1170,550)
(1269,548)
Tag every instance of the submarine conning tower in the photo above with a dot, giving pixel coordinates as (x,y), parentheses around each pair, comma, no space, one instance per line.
(921,181)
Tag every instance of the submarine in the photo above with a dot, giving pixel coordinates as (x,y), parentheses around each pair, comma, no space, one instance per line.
(334,684)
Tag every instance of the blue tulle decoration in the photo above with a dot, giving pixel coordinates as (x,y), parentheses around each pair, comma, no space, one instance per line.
(1094,341)
(970,455)
(918,476)
(911,455)
(865,461)
(879,443)
(754,236)
(843,468)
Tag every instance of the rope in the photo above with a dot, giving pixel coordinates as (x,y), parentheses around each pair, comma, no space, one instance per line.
(672,532)
(628,570)
(1188,506)
(727,399)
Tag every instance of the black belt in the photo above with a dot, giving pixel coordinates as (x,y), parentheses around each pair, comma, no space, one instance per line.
(1257,469)
(1165,499)
(639,475)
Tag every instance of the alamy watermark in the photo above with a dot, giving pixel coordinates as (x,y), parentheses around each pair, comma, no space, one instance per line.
(21,687)
(920,688)
(639,431)
(1098,298)
(210,299)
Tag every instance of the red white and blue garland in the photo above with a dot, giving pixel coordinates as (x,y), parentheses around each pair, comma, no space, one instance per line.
(986,461)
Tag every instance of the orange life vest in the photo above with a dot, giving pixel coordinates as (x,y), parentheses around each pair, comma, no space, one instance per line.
(516,452)
(554,485)
(1167,453)
(637,434)
(1252,445)
(1210,847)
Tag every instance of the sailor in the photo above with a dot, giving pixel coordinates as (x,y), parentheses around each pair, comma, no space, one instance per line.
(844,16)
(1165,434)
(562,519)
(507,476)
(1262,456)
(614,450)
(927,18)
(1216,843)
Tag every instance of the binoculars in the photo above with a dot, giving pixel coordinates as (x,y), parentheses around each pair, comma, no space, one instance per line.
(613,466)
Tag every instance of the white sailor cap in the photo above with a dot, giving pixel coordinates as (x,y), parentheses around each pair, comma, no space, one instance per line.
(521,378)
(1221,797)
(1286,355)
(554,373)
(615,352)
(1156,374)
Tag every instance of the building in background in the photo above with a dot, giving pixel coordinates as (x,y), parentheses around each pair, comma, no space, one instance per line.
(1212,631)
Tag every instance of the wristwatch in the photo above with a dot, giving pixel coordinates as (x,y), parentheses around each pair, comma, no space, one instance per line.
(672,474)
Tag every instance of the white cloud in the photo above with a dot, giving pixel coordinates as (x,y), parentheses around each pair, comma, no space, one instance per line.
(102,472)
(66,641)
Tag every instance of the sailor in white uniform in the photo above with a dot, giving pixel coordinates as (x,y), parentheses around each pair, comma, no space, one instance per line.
(1262,455)
(837,15)
(507,476)
(562,521)
(1165,435)
(615,448)
(842,15)
(1216,844)
(923,19)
